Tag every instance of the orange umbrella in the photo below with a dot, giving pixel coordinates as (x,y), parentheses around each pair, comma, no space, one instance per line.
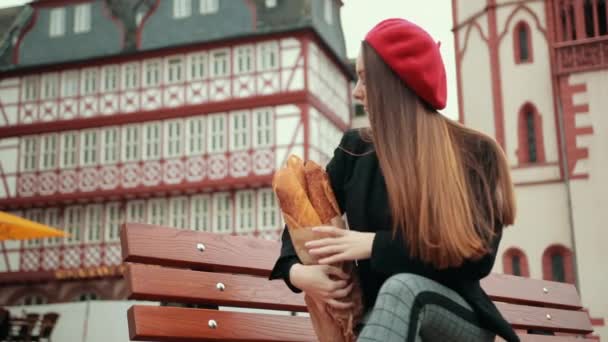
(16,228)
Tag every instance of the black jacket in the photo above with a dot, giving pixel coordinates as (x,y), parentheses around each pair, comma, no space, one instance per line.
(359,186)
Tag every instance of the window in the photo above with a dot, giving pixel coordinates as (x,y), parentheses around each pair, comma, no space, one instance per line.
(109,80)
(89,81)
(29,154)
(217,133)
(557,267)
(152,73)
(70,83)
(531,134)
(113,221)
(174,70)
(271,3)
(222,213)
(82,18)
(109,140)
(245,212)
(157,213)
(328,11)
(268,56)
(198,66)
(69,149)
(219,63)
(522,43)
(173,143)
(531,146)
(152,141)
(262,127)
(209,6)
(73,223)
(182,8)
(130,76)
(516,265)
(178,211)
(131,150)
(195,136)
(36,299)
(94,223)
(136,211)
(268,211)
(89,148)
(30,89)
(49,86)
(557,264)
(49,152)
(199,213)
(57,22)
(36,215)
(51,218)
(243,62)
(239,129)
(87,296)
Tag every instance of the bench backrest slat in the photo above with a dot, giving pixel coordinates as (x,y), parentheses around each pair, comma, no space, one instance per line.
(532,317)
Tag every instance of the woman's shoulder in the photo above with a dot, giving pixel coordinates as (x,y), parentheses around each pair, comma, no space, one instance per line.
(354,144)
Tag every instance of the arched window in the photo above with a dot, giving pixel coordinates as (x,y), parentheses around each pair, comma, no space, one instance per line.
(87,296)
(531,145)
(557,264)
(33,299)
(522,40)
(515,262)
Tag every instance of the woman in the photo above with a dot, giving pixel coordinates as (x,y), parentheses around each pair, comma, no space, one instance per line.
(426,200)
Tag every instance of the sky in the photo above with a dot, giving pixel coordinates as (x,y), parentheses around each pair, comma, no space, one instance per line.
(359,16)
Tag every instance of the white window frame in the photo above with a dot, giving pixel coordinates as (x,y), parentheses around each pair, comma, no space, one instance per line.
(109,78)
(57,22)
(270,3)
(131,143)
(157,211)
(135,211)
(174,135)
(70,84)
(268,210)
(245,209)
(196,141)
(240,130)
(94,222)
(268,56)
(73,226)
(178,212)
(36,215)
(222,213)
(244,62)
(152,140)
(197,66)
(48,151)
(69,153)
(89,147)
(328,11)
(200,213)
(29,153)
(110,145)
(30,88)
(263,127)
(89,82)
(209,6)
(217,131)
(130,76)
(50,83)
(182,9)
(152,73)
(113,220)
(82,18)
(220,62)
(52,219)
(174,69)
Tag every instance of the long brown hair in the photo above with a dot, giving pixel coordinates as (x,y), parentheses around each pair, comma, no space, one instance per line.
(448,185)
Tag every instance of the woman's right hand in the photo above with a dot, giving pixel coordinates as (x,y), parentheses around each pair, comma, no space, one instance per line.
(324,282)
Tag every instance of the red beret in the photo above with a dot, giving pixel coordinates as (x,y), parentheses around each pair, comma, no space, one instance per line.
(414,56)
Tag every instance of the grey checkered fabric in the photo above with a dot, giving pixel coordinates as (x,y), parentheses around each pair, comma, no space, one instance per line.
(413,308)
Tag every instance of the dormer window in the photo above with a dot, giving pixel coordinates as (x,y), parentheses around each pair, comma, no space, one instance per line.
(57,22)
(182,8)
(82,18)
(328,11)
(209,6)
(271,3)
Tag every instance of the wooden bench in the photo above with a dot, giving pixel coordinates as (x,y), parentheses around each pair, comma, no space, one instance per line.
(211,270)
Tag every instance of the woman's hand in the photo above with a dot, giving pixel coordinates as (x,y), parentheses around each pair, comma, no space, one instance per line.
(343,245)
(322,282)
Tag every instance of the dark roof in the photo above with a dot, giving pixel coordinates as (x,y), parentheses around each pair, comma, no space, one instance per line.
(7,18)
